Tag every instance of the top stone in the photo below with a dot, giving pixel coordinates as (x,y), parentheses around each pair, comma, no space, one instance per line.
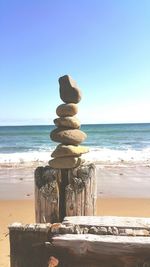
(69,91)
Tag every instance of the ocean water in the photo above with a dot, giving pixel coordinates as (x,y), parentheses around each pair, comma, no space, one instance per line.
(107,143)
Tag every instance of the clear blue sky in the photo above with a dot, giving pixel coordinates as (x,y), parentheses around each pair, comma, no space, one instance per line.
(103,45)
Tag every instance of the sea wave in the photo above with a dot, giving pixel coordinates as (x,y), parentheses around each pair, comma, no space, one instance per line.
(24,157)
(101,155)
(111,155)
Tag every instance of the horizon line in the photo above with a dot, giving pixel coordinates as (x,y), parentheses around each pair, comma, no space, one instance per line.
(102,123)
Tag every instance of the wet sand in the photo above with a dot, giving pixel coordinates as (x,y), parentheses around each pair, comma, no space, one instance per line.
(113,180)
(123,180)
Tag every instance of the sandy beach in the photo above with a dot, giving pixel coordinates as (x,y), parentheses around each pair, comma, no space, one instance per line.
(123,190)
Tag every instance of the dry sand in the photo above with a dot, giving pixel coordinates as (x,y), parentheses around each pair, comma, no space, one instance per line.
(122,191)
(12,211)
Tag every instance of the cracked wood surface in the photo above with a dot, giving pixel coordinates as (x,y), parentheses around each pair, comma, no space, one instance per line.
(33,244)
(114,221)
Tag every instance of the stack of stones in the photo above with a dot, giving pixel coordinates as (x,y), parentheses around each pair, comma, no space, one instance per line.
(67,155)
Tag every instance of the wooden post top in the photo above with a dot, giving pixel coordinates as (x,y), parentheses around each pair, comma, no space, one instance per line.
(114,221)
(39,227)
(88,222)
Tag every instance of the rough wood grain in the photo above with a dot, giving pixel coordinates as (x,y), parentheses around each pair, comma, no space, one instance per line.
(106,245)
(37,204)
(60,193)
(105,251)
(114,221)
(81,191)
(46,194)
(62,188)
(26,245)
(70,201)
(32,245)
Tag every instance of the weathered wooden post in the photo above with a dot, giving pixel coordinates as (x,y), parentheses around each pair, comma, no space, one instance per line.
(67,187)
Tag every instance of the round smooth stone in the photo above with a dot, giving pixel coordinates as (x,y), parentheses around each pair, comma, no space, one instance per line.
(70,122)
(65,151)
(68,136)
(65,110)
(65,163)
(69,91)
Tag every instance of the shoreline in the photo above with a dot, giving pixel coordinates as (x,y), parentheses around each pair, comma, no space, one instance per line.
(118,180)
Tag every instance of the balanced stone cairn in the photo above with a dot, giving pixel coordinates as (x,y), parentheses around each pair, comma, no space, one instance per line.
(67,155)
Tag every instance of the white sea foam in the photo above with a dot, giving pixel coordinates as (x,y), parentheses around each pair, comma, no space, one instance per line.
(96,155)
(111,155)
(24,157)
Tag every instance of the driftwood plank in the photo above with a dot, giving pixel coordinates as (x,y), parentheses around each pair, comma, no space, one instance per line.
(32,245)
(107,245)
(114,221)
(105,251)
